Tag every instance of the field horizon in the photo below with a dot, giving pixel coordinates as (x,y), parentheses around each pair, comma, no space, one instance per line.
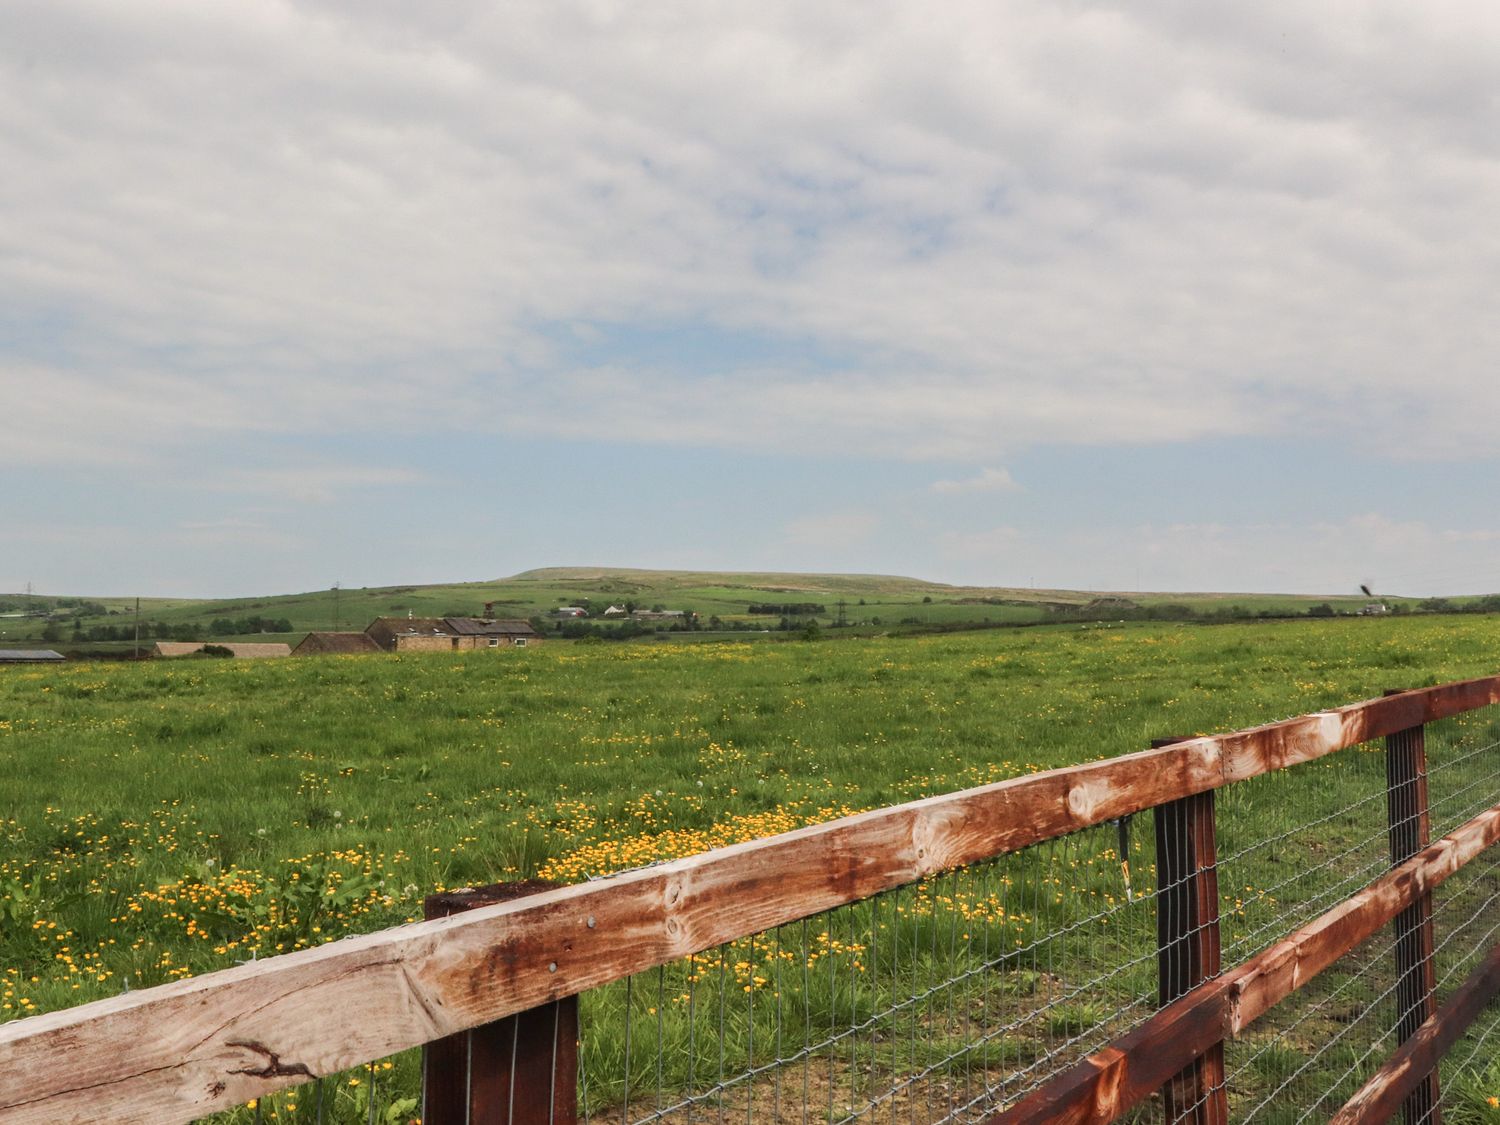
(673,578)
(726,601)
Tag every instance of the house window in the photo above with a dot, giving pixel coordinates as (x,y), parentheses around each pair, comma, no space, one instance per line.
(520,642)
(494,642)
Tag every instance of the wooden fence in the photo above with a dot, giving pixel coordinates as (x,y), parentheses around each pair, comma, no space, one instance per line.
(193,1047)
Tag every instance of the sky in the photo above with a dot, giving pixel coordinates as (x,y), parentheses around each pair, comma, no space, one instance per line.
(1160,296)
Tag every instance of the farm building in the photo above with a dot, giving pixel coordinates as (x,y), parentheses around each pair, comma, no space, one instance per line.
(237,649)
(446,634)
(319,644)
(29,656)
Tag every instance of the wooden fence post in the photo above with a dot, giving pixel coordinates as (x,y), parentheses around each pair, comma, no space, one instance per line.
(520,1070)
(1187,942)
(1407,814)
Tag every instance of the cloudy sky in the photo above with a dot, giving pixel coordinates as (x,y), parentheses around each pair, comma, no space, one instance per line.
(1163,295)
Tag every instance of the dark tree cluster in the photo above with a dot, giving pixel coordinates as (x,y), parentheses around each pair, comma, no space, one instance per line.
(224,626)
(168,631)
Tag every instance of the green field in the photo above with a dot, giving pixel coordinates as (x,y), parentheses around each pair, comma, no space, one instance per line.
(165,819)
(871,603)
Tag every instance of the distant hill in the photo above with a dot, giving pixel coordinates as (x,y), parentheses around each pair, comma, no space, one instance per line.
(737,599)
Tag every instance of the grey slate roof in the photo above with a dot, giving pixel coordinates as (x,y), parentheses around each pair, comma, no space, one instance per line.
(28,656)
(478,627)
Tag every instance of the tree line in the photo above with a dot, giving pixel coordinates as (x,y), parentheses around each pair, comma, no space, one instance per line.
(169,631)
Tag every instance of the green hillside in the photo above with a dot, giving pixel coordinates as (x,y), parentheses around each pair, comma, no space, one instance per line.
(860,601)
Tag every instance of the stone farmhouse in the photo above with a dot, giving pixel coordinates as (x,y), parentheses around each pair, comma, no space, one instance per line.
(448,634)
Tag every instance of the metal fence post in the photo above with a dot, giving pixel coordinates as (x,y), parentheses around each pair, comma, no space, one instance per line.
(521,1070)
(1407,813)
(1187,942)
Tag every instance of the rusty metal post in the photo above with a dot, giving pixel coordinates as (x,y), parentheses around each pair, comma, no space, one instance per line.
(1187,942)
(1410,826)
(521,1070)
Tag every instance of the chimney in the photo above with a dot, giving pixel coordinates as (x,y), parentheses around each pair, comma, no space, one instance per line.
(489,610)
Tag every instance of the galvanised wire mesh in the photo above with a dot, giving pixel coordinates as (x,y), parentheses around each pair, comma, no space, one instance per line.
(1292,845)
(1470,1074)
(940,1001)
(957,997)
(1307,1056)
(1463,756)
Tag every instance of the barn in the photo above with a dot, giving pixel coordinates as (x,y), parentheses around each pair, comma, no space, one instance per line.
(336,644)
(238,649)
(29,656)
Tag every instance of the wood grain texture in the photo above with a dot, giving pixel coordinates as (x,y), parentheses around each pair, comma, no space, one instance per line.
(1107,1084)
(192,1047)
(523,1068)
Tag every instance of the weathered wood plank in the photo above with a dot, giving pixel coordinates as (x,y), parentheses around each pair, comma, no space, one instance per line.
(1103,1086)
(191,1047)
(1382,1097)
(518,1070)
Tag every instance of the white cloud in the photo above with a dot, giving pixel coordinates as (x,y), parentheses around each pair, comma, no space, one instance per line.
(1019,224)
(988,480)
(898,234)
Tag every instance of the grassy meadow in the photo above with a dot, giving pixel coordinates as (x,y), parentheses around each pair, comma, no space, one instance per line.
(168,818)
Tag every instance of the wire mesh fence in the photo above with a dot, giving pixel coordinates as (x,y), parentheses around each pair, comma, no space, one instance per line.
(958,996)
(933,1002)
(952,999)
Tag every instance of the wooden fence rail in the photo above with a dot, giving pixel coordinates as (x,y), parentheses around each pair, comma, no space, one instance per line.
(196,1046)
